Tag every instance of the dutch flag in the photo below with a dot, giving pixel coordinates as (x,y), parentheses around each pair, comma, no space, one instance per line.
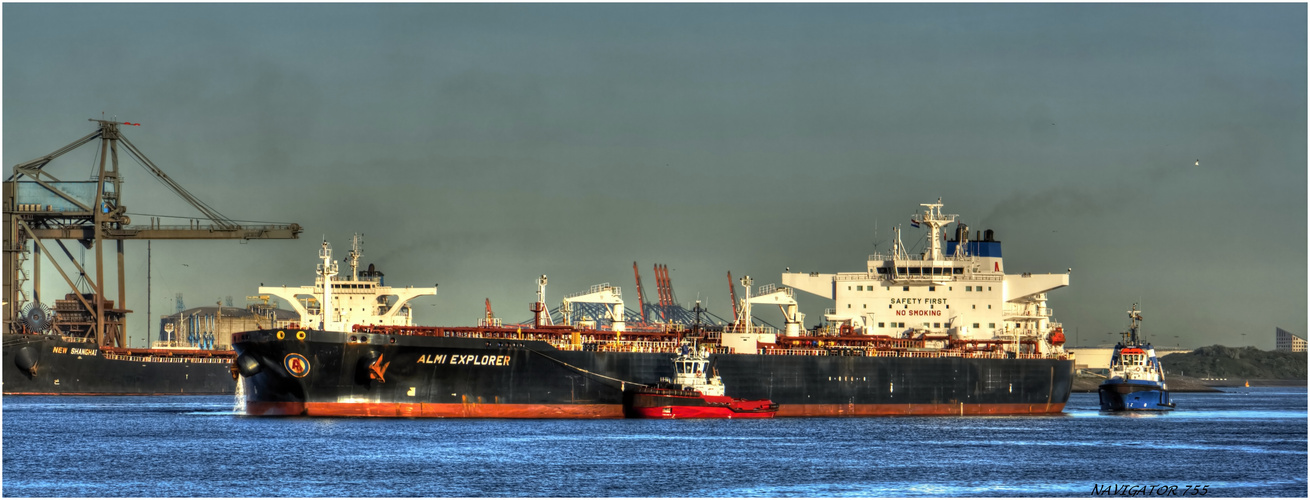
(914,223)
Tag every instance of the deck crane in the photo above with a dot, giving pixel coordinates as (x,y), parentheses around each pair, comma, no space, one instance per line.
(39,207)
(489,320)
(610,296)
(785,299)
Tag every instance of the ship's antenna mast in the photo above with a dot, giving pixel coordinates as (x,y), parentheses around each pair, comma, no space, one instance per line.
(1134,316)
(935,220)
(356,244)
(898,248)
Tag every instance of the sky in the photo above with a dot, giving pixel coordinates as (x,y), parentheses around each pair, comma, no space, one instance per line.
(480,146)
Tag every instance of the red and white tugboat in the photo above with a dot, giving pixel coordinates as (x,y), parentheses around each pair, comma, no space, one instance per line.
(693,393)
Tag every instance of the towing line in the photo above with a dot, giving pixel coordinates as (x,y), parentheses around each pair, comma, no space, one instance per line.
(621,382)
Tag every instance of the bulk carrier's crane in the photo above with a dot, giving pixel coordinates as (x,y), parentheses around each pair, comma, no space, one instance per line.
(39,206)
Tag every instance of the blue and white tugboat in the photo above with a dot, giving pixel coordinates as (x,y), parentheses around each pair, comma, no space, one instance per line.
(1136,380)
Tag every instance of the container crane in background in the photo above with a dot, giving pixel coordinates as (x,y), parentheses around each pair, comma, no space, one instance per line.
(654,317)
(641,295)
(664,286)
(40,208)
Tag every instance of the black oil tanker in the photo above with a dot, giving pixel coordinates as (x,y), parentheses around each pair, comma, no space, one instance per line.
(512,374)
(941,333)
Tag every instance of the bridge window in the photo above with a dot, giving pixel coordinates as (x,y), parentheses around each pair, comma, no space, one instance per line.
(936,325)
(959,270)
(900,270)
(968,288)
(859,289)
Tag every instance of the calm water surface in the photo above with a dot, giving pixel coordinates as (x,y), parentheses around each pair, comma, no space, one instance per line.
(1240,443)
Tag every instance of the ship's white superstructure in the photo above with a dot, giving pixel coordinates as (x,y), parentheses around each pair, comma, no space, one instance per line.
(362,299)
(961,293)
(692,372)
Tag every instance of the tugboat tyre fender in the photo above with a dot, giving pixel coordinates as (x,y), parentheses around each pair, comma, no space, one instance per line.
(26,359)
(247,365)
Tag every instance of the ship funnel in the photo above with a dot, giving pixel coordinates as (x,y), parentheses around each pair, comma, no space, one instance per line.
(989,235)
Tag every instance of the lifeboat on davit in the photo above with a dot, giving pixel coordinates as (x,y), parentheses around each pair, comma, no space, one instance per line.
(692,393)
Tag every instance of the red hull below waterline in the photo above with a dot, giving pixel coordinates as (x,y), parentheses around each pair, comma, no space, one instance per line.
(891,410)
(433,410)
(427,410)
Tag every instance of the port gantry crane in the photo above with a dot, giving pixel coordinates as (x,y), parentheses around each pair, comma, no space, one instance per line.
(39,206)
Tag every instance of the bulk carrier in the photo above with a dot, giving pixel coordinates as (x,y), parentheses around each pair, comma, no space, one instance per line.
(947,332)
(63,358)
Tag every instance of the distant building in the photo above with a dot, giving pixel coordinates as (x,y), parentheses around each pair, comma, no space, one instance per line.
(1285,341)
(212,327)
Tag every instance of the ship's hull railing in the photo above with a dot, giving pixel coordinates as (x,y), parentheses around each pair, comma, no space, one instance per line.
(1025,311)
(860,343)
(617,346)
(894,353)
(762,330)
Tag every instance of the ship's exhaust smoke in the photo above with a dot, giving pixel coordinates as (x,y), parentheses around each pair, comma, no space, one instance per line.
(1083,200)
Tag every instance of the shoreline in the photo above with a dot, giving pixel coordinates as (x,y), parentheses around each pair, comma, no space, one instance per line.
(1179,383)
